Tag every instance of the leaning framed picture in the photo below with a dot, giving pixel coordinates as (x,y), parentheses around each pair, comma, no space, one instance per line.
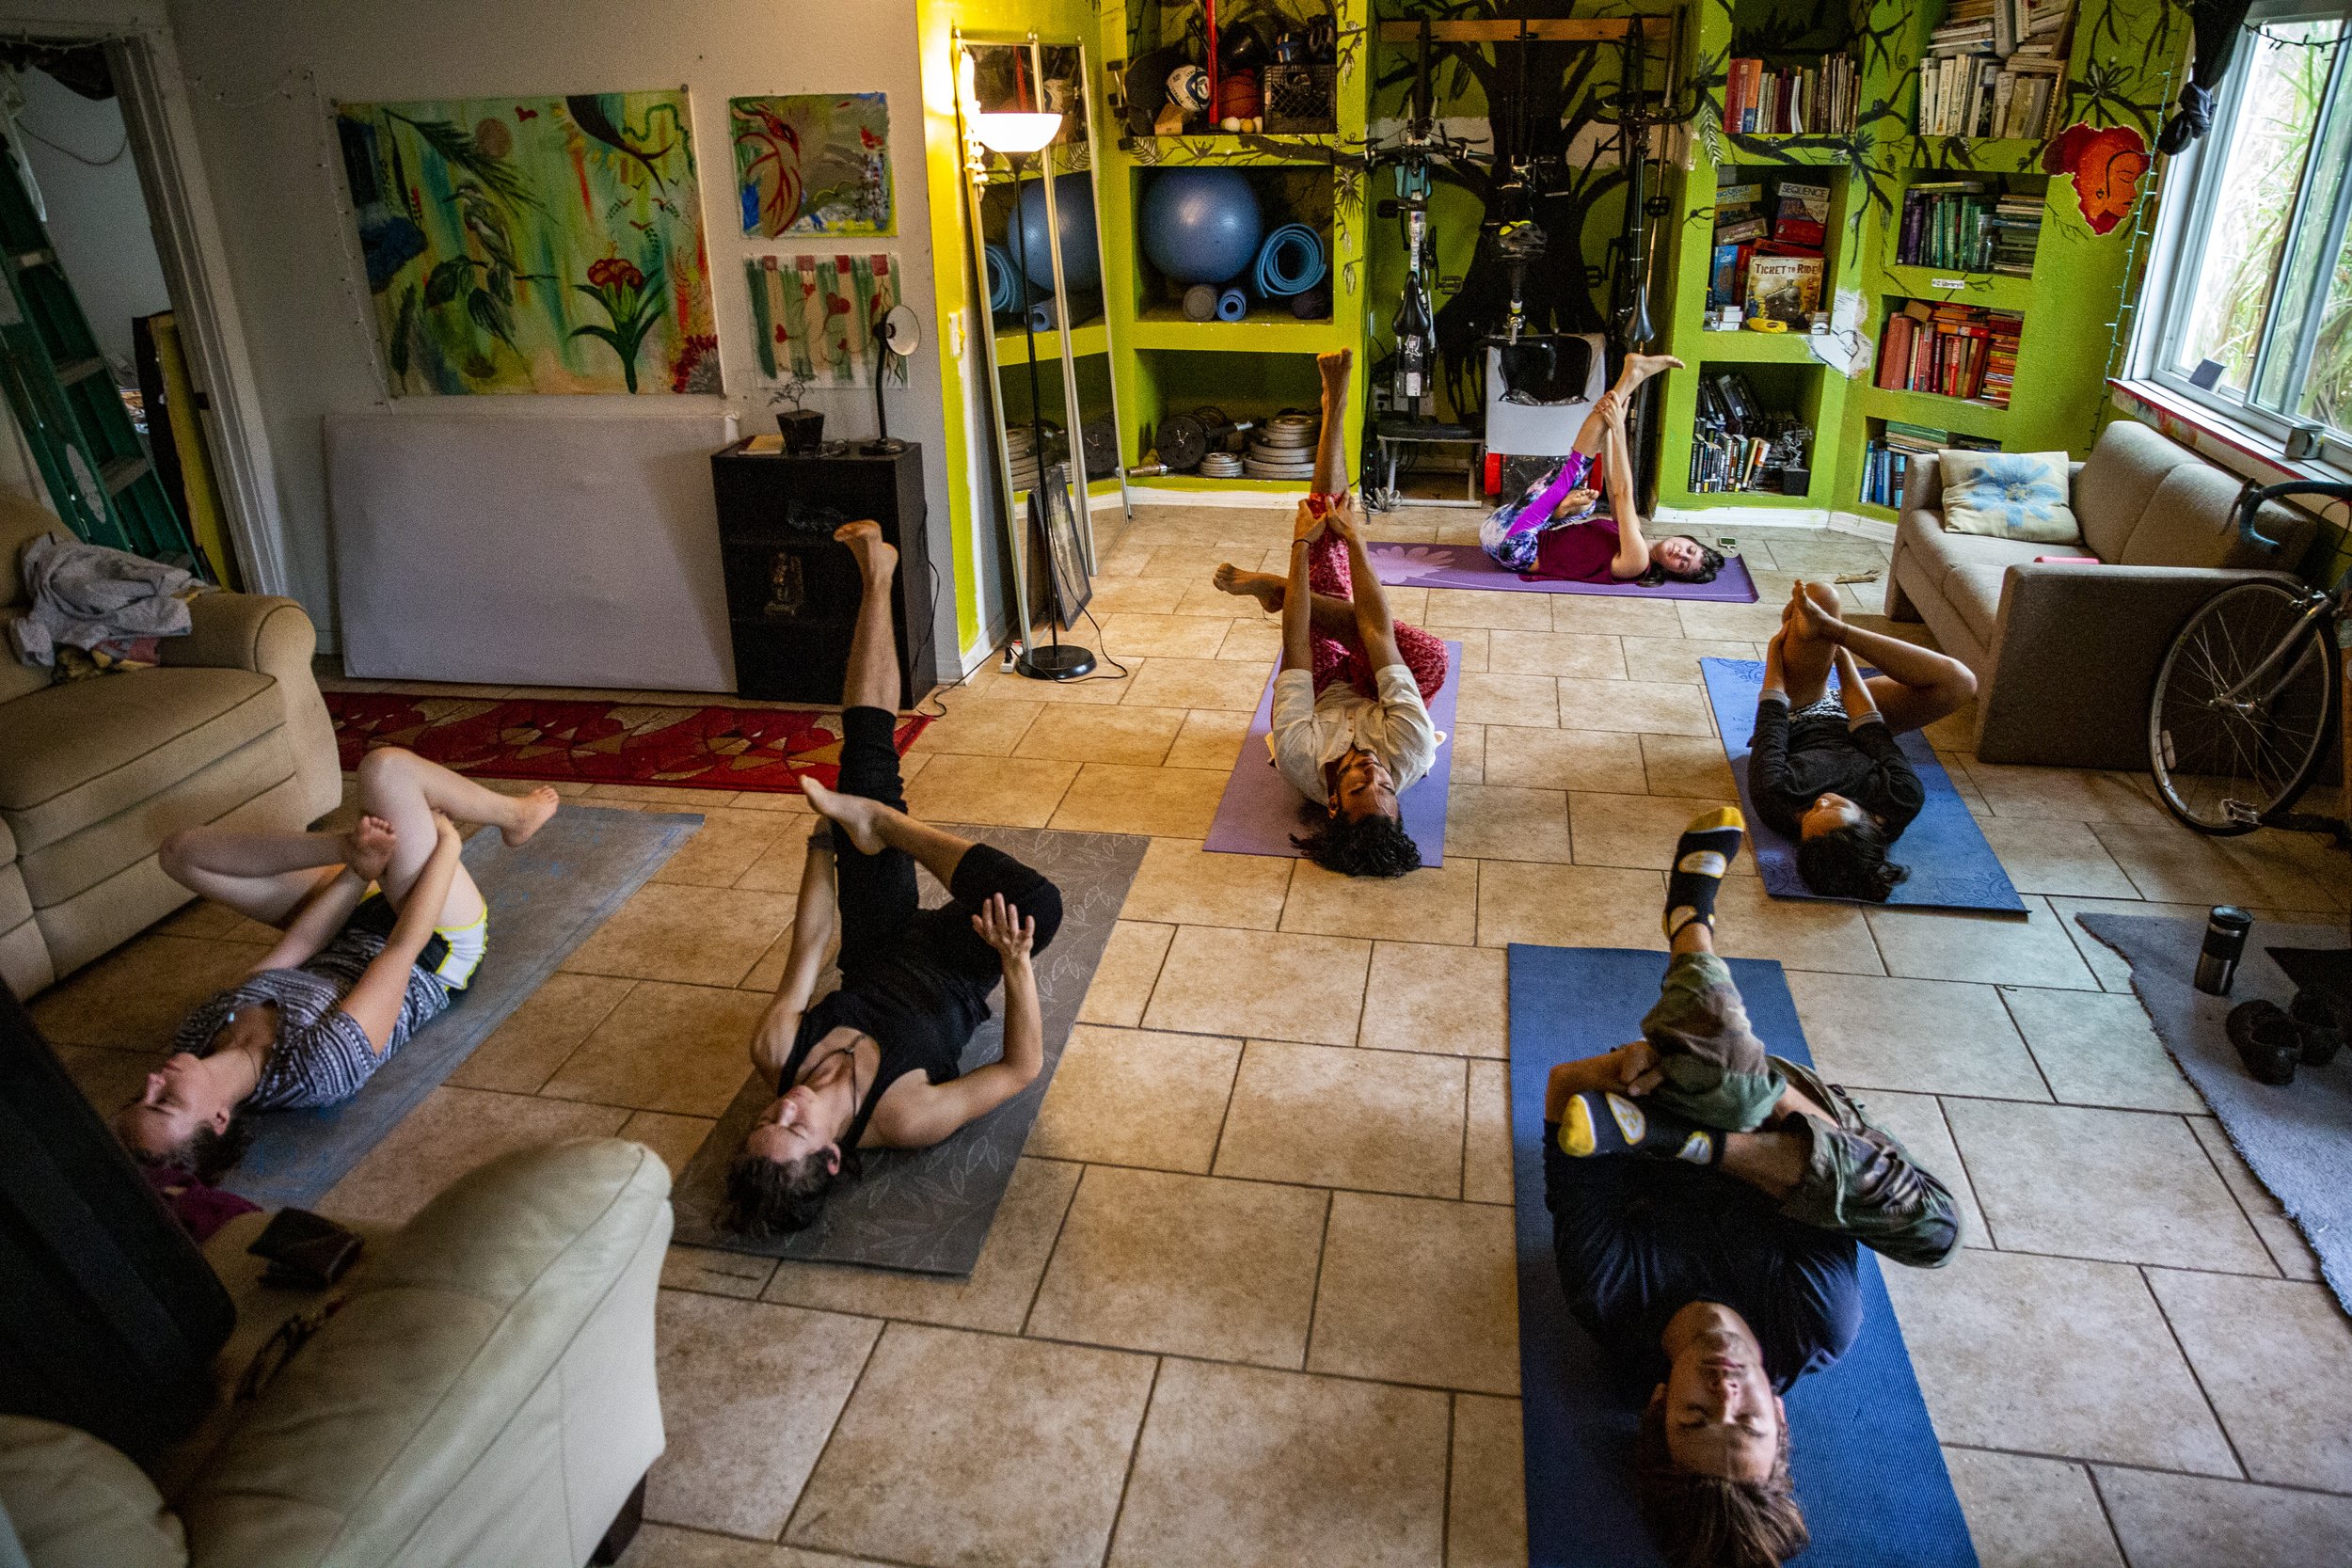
(1054,517)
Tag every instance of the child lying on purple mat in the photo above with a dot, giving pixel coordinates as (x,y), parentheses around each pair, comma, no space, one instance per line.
(1557,530)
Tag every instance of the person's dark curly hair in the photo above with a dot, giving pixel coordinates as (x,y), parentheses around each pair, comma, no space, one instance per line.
(775,1197)
(1851,863)
(206,1155)
(1711,562)
(1367,846)
(1703,1521)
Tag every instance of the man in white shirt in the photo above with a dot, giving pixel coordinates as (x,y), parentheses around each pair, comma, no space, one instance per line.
(1351,728)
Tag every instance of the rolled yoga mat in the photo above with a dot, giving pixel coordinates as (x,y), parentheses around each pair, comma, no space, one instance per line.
(1862,1449)
(1232,305)
(1290,261)
(1952,867)
(546,898)
(1200,303)
(1005,288)
(1041,314)
(929,1210)
(1260,811)
(1468,566)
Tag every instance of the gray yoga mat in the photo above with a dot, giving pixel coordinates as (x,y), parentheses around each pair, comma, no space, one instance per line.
(2294,1136)
(927,1211)
(544,900)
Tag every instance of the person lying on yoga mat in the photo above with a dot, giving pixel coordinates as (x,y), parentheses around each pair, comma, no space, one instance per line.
(877,1062)
(1557,530)
(1824,768)
(356,972)
(1350,722)
(1706,1200)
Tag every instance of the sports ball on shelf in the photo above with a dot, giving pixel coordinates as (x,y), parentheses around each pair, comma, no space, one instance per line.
(1073,198)
(1237,96)
(1202,224)
(1188,89)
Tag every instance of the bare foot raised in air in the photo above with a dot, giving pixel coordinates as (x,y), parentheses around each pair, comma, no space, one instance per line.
(1641,367)
(854,815)
(532,809)
(1267,590)
(874,558)
(368,847)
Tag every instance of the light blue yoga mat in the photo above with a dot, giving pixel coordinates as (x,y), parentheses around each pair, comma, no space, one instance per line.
(1952,867)
(544,900)
(1260,811)
(1869,1473)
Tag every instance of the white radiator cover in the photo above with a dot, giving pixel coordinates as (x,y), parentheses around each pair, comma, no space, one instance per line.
(478,546)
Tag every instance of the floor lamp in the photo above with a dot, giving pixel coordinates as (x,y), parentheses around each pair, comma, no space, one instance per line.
(1019,137)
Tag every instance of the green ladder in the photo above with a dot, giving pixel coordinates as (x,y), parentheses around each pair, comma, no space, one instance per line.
(101,477)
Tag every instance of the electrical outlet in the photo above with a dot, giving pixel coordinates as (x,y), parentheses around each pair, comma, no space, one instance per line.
(1012,657)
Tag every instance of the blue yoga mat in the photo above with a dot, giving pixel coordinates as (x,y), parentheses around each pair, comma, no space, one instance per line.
(1952,867)
(1869,1473)
(546,898)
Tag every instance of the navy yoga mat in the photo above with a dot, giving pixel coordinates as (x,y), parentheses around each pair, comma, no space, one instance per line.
(1468,566)
(546,898)
(1259,811)
(1869,1473)
(1952,867)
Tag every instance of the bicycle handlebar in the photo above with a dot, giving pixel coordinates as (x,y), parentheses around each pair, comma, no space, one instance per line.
(2250,504)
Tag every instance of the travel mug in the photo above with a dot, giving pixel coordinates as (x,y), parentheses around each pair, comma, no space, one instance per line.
(2225,943)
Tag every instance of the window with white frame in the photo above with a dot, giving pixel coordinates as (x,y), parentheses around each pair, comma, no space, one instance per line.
(2255,314)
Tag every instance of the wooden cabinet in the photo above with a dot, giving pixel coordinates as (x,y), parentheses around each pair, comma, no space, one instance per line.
(793,593)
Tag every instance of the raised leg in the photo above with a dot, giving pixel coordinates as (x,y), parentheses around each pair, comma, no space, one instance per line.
(873,675)
(1333,617)
(873,827)
(406,791)
(1914,686)
(263,877)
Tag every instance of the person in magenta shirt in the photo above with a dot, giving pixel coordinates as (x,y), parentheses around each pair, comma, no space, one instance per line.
(1557,530)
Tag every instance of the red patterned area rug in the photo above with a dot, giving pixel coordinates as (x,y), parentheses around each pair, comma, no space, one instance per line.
(595,742)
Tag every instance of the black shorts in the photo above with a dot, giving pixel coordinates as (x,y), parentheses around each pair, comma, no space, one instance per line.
(881,905)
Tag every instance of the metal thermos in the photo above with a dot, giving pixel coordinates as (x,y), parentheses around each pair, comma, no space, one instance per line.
(2225,943)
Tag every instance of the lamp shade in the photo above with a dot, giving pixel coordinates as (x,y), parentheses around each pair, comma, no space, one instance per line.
(1015,132)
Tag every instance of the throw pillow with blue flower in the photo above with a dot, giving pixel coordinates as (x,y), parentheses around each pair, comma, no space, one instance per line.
(2008,495)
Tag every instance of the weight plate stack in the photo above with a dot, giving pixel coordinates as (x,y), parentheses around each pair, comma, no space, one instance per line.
(1221,465)
(1283,447)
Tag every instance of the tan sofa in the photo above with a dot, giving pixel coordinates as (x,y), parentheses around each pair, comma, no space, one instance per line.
(95,773)
(2066,657)
(485,1394)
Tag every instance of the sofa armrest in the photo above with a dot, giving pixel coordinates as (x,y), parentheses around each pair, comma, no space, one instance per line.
(439,1383)
(2074,655)
(273,637)
(1923,485)
(73,1501)
(259,632)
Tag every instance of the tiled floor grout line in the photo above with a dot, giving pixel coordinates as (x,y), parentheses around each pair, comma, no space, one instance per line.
(2226,1186)
(1314,1300)
(1061,1224)
(728,1535)
(1445,1476)
(1966,1175)
(1135,1456)
(832,1428)
(2107,1512)
(2141,1271)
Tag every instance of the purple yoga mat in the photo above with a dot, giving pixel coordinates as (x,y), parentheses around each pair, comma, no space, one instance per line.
(1468,566)
(1260,810)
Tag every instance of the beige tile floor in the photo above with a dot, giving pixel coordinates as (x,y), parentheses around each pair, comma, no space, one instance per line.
(1250,1298)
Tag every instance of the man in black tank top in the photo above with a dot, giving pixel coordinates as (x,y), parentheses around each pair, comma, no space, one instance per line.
(878,1062)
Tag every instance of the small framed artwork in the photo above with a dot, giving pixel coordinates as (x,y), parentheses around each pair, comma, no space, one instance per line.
(814,164)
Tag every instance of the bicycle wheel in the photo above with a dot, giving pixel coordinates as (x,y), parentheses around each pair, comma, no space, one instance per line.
(2226,764)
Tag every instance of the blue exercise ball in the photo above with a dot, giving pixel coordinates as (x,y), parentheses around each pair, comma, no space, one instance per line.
(1074,200)
(1202,224)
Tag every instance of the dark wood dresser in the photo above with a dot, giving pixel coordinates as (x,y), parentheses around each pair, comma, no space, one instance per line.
(792,593)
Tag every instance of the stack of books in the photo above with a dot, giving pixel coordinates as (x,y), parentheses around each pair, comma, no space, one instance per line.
(1949,349)
(1789,100)
(1997,68)
(1887,458)
(1776,261)
(1943,226)
(2016,230)
(1739,225)
(1738,444)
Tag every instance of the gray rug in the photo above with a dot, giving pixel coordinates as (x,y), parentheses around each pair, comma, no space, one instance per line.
(545,899)
(928,1209)
(2297,1138)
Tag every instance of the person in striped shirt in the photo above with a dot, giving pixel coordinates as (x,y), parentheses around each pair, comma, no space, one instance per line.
(356,972)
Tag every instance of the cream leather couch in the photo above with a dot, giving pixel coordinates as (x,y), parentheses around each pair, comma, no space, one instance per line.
(94,774)
(484,1395)
(2066,657)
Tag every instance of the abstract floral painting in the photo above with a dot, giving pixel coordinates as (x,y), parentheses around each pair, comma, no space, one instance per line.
(533,244)
(814,164)
(815,318)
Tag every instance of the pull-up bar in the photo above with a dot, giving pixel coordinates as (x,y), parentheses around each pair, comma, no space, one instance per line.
(1549,29)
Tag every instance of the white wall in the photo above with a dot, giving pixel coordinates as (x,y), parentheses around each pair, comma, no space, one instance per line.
(261,76)
(97,217)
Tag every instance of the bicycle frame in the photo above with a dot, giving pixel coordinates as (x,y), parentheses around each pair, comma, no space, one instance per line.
(2318,604)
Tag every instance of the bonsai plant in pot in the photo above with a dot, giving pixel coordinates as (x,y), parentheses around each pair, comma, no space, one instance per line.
(803,428)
